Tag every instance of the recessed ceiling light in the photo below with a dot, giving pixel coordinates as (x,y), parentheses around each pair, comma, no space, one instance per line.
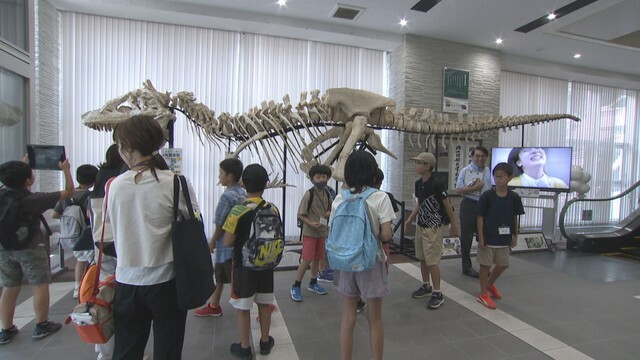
(577,56)
(282,2)
(403,22)
(551,16)
(499,41)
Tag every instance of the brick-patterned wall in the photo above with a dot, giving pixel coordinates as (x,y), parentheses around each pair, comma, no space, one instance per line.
(47,112)
(416,80)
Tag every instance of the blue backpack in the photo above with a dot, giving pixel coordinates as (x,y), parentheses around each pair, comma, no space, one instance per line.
(352,245)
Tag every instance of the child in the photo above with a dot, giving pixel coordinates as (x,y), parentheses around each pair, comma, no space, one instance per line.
(249,285)
(33,261)
(498,211)
(431,204)
(385,245)
(314,214)
(372,285)
(86,177)
(229,176)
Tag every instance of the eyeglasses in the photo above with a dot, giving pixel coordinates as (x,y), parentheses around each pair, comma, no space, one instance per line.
(420,163)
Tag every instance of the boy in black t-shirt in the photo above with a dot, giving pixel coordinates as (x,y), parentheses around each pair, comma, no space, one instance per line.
(431,204)
(31,262)
(249,285)
(498,211)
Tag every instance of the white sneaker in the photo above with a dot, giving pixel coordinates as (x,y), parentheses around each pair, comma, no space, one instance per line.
(75,293)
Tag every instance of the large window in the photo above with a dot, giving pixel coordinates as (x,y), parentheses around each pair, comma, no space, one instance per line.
(13,124)
(13,22)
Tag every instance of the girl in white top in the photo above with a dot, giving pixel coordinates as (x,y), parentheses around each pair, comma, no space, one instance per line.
(360,173)
(140,207)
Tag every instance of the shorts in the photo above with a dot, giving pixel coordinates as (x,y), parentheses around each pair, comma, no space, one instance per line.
(312,248)
(488,256)
(84,255)
(31,263)
(248,286)
(429,244)
(223,272)
(368,284)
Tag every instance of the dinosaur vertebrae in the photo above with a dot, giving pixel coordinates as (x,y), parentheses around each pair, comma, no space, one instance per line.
(337,109)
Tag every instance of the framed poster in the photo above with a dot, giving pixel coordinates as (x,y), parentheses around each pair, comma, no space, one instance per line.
(455,91)
(460,153)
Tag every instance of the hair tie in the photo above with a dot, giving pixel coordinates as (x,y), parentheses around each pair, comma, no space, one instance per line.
(155,153)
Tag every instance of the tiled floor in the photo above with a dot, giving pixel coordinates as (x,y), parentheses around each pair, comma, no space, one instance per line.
(556,305)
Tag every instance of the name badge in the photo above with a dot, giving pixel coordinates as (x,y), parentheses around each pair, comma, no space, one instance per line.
(323,221)
(504,230)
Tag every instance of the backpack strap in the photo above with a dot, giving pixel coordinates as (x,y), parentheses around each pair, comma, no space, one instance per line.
(311,194)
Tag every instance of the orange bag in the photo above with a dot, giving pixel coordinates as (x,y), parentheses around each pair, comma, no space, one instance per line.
(93,317)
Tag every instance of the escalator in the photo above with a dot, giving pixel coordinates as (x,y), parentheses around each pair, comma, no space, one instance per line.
(586,226)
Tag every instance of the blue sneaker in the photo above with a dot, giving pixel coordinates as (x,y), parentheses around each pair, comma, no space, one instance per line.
(316,288)
(325,276)
(296,294)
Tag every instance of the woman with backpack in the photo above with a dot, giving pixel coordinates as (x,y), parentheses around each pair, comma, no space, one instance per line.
(139,205)
(371,285)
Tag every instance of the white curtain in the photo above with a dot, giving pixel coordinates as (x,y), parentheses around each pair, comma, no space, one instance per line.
(606,143)
(228,71)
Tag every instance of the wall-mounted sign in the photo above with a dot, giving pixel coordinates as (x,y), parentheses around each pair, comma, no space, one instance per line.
(455,91)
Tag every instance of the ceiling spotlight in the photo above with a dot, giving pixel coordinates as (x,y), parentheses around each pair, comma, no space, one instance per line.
(282,2)
(403,22)
(499,41)
(551,16)
(577,56)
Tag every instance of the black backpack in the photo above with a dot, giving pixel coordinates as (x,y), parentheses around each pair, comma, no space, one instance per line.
(16,226)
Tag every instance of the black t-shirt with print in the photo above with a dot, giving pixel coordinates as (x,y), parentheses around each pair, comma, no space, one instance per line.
(431,195)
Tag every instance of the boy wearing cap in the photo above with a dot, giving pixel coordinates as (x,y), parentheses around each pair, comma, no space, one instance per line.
(314,211)
(248,285)
(431,204)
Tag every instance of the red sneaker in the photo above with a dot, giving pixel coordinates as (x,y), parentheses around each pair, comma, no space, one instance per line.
(485,300)
(207,310)
(494,292)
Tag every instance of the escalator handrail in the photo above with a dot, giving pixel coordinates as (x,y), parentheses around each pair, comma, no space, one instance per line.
(566,206)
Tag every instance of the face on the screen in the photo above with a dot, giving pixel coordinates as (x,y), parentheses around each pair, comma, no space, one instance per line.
(531,157)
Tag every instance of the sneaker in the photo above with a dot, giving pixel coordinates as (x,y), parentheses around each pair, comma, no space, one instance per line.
(325,276)
(296,294)
(361,306)
(435,301)
(238,351)
(485,300)
(265,347)
(317,288)
(494,292)
(207,310)
(6,335)
(422,292)
(45,329)
(75,293)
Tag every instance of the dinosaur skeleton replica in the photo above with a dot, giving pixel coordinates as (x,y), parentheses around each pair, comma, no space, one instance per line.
(349,115)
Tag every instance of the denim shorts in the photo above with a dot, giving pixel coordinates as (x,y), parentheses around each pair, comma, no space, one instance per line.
(31,263)
(368,284)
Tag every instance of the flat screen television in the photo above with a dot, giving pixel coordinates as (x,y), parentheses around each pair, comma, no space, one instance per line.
(544,168)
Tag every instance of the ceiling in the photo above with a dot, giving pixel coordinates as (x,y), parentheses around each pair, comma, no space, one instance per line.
(605,32)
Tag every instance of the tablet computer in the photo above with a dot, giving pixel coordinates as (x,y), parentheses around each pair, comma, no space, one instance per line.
(45,157)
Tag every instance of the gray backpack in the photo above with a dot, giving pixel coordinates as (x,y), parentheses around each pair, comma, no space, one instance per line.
(73,222)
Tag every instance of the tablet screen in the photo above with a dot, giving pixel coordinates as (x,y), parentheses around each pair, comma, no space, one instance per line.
(45,157)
